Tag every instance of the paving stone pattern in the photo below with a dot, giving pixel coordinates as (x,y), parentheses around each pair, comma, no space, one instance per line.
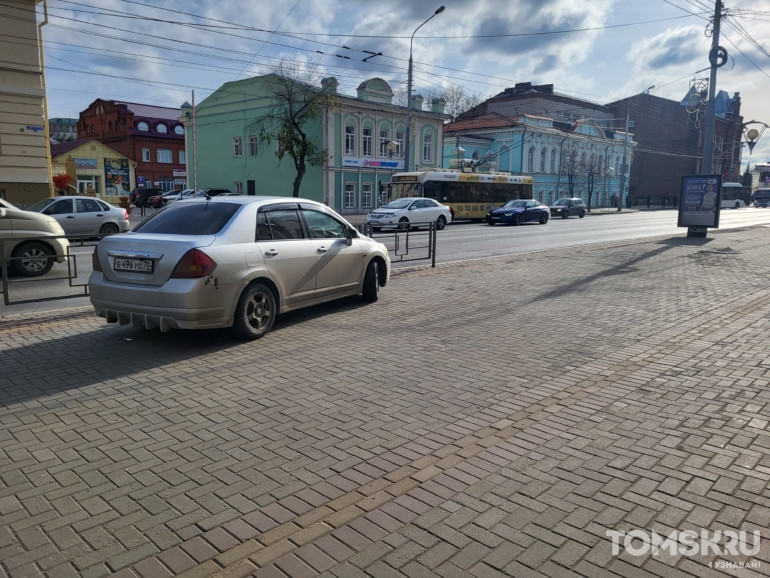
(485,418)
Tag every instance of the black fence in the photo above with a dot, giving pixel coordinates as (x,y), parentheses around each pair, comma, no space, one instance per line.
(412,242)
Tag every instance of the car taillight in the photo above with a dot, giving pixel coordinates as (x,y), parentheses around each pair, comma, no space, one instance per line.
(194,264)
(125,215)
(95,265)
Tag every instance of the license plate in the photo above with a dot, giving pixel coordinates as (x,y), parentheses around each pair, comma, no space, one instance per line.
(138,265)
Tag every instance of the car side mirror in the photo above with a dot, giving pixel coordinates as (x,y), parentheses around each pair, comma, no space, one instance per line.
(351,234)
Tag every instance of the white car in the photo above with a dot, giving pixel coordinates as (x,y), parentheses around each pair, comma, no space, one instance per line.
(409,212)
(84,216)
(233,262)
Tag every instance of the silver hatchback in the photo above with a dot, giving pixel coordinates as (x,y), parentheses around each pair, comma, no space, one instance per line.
(233,262)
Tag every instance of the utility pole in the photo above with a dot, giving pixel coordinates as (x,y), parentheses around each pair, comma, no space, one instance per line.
(714,56)
(624,165)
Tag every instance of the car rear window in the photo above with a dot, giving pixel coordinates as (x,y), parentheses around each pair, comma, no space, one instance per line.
(190,219)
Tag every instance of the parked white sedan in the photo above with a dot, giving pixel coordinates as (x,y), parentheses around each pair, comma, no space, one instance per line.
(409,212)
(84,216)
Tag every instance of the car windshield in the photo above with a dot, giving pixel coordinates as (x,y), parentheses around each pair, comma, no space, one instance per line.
(40,205)
(562,202)
(397,204)
(512,204)
(189,219)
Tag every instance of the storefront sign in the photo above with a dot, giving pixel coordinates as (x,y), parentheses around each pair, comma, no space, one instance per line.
(371,163)
(700,201)
(116,177)
(180,173)
(85,163)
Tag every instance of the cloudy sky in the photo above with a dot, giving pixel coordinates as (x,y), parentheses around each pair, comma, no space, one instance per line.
(160,51)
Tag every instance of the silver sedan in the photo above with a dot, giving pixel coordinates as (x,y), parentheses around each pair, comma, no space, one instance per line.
(84,216)
(233,262)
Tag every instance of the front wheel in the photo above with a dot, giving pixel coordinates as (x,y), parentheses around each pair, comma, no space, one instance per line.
(441,222)
(371,282)
(403,224)
(582,214)
(255,312)
(544,218)
(32,259)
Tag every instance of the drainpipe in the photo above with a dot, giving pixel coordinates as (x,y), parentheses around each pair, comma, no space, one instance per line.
(47,132)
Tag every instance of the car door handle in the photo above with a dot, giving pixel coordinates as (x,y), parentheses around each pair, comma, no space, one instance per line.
(321,249)
(271,252)
(70,217)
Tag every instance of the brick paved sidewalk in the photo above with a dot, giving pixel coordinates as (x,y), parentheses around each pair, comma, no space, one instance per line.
(488,418)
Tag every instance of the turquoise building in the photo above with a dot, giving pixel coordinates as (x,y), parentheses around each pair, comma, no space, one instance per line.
(362,136)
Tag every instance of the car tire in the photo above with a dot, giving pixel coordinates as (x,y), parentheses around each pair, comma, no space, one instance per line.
(565,214)
(544,218)
(32,259)
(518,219)
(371,289)
(582,214)
(255,312)
(441,222)
(403,224)
(491,223)
(108,229)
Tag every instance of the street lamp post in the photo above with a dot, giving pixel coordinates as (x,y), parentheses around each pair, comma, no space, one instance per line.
(407,145)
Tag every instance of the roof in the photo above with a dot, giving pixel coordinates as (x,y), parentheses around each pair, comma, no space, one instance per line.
(149,111)
(492,120)
(65,147)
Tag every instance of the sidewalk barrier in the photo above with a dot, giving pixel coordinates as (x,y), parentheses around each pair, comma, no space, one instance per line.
(406,244)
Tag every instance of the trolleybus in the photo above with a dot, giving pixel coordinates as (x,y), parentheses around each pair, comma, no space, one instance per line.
(468,195)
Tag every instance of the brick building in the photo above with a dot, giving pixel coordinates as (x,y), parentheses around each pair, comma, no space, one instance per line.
(150,135)
(670,136)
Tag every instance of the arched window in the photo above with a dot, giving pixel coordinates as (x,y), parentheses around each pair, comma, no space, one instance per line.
(553,160)
(179,129)
(367,141)
(427,147)
(350,139)
(531,159)
(542,166)
(161,128)
(143,126)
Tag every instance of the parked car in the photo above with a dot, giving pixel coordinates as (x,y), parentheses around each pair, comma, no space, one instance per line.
(212,192)
(565,208)
(197,265)
(761,197)
(32,242)
(409,212)
(519,211)
(140,196)
(84,216)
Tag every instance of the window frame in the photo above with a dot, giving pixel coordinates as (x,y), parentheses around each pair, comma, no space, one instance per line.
(165,156)
(237,146)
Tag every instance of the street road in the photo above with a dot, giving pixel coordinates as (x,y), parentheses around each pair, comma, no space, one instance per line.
(459,241)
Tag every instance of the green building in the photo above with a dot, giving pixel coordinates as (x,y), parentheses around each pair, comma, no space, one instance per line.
(362,137)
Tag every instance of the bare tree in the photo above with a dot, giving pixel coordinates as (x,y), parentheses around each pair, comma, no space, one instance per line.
(297,99)
(571,167)
(457,99)
(590,169)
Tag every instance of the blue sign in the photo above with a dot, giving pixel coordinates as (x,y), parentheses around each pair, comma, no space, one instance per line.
(140,180)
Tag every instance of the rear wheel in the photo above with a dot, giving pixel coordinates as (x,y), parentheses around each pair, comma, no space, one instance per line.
(441,222)
(108,229)
(371,282)
(32,259)
(582,214)
(255,312)
(564,214)
(518,219)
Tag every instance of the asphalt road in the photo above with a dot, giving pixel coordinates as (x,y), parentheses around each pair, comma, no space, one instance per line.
(460,241)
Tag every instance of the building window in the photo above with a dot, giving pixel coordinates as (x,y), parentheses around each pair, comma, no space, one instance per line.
(253,146)
(542,161)
(182,158)
(400,140)
(143,126)
(366,195)
(179,129)
(164,156)
(350,140)
(553,161)
(531,160)
(427,148)
(145,155)
(237,147)
(161,128)
(367,142)
(350,196)
(238,187)
(384,140)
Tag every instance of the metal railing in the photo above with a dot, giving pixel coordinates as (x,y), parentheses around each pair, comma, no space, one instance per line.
(43,281)
(412,242)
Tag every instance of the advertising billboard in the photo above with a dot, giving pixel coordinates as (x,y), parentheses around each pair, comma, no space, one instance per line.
(700,201)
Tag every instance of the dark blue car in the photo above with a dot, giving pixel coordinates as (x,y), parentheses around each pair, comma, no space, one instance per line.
(519,211)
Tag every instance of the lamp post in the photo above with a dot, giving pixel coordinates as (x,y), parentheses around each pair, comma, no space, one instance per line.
(407,145)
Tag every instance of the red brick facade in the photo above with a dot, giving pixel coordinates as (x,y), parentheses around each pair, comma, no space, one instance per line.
(150,135)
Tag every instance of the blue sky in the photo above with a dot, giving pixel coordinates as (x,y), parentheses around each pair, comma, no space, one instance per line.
(159,52)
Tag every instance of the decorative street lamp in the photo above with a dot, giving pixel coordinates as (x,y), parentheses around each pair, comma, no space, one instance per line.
(407,145)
